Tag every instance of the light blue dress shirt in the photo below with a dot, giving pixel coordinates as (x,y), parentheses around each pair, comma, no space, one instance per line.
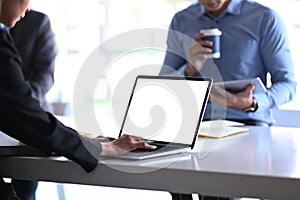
(253,43)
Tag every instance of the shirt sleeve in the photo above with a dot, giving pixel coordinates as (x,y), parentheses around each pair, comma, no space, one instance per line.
(277,57)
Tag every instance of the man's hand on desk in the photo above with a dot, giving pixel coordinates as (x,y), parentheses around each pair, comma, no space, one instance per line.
(239,100)
(122,145)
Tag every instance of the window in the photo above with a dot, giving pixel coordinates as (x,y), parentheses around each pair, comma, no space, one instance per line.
(81,27)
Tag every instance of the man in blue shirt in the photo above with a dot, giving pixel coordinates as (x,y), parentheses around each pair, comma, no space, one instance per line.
(253,44)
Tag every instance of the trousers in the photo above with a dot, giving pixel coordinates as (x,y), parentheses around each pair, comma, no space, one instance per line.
(7,191)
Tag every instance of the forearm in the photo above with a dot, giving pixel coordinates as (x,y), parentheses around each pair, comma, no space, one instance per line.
(109,150)
(278,94)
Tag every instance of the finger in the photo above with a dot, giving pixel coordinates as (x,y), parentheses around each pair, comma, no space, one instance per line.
(104,139)
(216,99)
(133,140)
(250,88)
(143,144)
(136,138)
(139,142)
(201,47)
(196,47)
(248,91)
(200,54)
(206,43)
(207,50)
(221,91)
(217,96)
(212,97)
(111,139)
(198,36)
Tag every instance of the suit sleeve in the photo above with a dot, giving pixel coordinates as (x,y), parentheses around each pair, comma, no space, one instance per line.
(34,39)
(22,117)
(42,63)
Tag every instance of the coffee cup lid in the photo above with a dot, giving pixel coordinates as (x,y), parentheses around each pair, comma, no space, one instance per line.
(211,31)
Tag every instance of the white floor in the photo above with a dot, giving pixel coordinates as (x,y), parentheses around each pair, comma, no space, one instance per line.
(50,191)
(53,191)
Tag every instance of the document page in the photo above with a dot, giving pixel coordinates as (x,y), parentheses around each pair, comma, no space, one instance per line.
(220,128)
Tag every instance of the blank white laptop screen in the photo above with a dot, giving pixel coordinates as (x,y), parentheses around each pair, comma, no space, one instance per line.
(166,109)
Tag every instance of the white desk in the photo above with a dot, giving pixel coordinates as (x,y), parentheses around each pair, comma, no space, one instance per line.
(262,163)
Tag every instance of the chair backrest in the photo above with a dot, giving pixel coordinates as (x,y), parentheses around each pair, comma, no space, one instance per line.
(61,108)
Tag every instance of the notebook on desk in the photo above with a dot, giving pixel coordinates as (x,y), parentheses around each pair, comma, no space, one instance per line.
(166,112)
(221,128)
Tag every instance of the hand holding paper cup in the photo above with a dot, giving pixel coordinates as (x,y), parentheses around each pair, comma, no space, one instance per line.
(213,35)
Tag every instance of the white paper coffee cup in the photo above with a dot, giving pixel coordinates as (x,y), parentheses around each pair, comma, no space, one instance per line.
(214,35)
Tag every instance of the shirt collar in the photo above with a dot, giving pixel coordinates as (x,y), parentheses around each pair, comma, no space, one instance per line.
(3,27)
(234,7)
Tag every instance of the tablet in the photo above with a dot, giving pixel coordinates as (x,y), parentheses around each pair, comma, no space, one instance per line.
(240,85)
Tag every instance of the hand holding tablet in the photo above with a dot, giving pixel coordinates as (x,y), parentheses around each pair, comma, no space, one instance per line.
(240,85)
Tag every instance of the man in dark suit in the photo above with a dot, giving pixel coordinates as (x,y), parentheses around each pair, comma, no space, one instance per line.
(34,39)
(24,119)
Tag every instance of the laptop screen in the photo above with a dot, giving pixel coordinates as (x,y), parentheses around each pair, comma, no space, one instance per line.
(167,109)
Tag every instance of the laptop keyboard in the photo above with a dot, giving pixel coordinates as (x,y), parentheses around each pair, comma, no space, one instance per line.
(158,147)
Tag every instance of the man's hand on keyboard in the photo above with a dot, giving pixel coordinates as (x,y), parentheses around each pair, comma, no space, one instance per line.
(124,144)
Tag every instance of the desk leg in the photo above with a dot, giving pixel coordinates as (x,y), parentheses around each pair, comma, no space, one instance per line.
(61,191)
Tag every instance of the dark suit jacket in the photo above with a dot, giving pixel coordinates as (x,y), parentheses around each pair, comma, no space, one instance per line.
(23,118)
(34,40)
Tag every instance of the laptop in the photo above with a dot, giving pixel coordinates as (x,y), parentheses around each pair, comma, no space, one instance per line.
(166,111)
